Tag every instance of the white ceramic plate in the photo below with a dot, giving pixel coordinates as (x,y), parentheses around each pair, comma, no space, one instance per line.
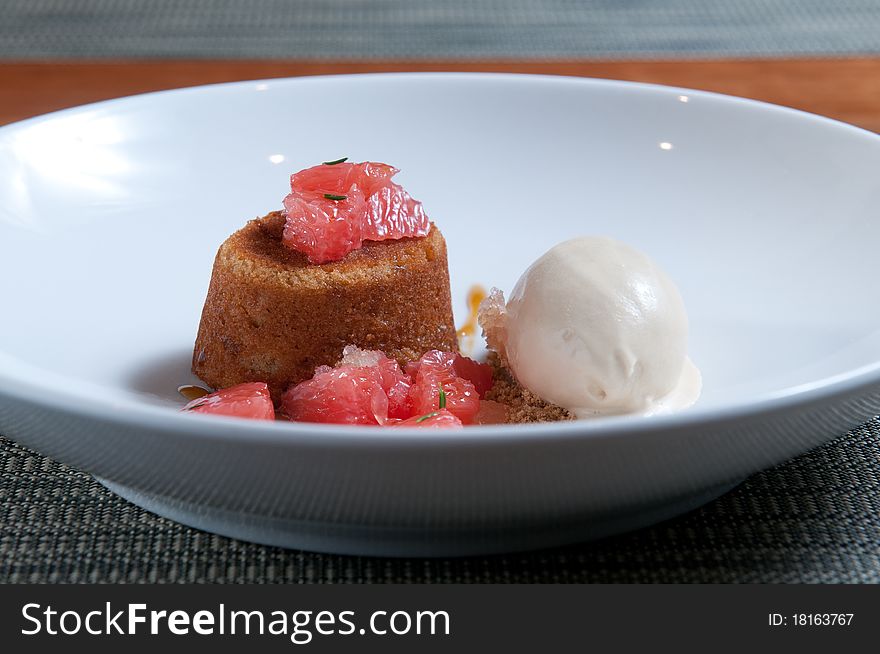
(111,214)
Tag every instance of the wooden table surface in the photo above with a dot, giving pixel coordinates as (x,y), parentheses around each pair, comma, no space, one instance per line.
(847,89)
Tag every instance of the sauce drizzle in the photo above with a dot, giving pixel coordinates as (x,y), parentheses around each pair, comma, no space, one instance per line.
(468,331)
(192,392)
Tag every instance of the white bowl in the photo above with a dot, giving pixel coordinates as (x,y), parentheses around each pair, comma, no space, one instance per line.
(767,219)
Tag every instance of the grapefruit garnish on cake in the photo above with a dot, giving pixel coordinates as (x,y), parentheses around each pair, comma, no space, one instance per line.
(333,208)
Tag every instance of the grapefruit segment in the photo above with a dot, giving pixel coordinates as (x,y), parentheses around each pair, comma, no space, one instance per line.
(436,371)
(365,388)
(392,213)
(332,209)
(323,229)
(248,400)
(479,374)
(440,419)
(491,413)
(350,395)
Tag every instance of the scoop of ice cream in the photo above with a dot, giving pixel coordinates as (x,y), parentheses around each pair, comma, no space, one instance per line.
(595,327)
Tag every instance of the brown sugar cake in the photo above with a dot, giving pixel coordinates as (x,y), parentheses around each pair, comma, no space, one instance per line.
(271,315)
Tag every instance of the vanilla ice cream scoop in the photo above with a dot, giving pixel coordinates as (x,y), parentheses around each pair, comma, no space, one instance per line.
(594,326)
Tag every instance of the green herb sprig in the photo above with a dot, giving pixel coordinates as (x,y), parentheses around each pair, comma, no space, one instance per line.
(336,161)
(331,196)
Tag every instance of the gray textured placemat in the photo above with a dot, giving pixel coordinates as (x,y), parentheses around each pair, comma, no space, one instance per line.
(424,29)
(814,519)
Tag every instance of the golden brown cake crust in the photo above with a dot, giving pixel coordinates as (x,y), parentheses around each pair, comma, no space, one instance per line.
(272,316)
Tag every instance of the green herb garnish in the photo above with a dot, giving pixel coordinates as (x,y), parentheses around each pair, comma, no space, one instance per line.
(428,415)
(337,161)
(442,397)
(331,196)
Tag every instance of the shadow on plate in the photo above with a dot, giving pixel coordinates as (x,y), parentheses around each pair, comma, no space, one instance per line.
(159,378)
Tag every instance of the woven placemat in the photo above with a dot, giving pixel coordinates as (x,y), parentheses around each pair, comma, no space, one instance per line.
(426,29)
(814,519)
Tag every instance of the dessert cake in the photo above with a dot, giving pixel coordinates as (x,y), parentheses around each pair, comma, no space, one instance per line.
(271,315)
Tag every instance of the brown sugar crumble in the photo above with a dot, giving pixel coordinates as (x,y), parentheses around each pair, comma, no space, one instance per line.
(523,405)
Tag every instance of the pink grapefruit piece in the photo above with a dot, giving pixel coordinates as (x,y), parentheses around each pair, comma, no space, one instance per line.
(323,230)
(394,381)
(365,388)
(479,374)
(439,419)
(351,395)
(248,400)
(332,208)
(392,213)
(434,372)
(491,413)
